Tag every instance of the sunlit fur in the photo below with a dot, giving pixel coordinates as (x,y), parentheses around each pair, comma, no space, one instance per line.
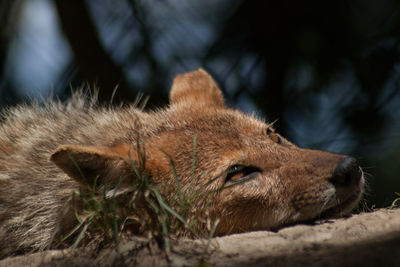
(37,178)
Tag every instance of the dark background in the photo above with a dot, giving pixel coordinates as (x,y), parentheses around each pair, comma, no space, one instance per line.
(328,72)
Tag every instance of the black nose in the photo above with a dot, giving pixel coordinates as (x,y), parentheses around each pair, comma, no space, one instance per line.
(346,172)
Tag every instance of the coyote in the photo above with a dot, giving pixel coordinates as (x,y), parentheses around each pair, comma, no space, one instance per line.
(261,180)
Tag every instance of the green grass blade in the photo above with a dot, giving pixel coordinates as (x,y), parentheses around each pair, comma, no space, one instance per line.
(81,235)
(171,211)
(72,231)
(211,235)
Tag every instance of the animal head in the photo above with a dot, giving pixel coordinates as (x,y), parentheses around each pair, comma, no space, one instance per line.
(261,180)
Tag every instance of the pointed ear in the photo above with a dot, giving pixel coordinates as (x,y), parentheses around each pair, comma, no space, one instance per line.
(87,164)
(196,88)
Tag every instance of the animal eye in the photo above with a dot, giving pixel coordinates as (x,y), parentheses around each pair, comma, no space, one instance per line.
(240,173)
(274,137)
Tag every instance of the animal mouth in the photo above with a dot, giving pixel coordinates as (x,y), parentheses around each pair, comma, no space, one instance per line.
(345,199)
(343,207)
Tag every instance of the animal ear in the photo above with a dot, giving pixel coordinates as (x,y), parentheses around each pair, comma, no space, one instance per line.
(95,164)
(196,88)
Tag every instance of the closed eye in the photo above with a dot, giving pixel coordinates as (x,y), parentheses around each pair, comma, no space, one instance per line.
(241,173)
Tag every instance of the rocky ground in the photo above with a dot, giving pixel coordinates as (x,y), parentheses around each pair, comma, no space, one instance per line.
(367,239)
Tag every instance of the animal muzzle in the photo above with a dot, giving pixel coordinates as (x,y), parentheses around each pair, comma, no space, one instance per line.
(347,173)
(348,181)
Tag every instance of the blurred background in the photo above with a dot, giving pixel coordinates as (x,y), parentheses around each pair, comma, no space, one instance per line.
(328,72)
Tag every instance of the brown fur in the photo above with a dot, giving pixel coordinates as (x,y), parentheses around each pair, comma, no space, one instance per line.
(37,177)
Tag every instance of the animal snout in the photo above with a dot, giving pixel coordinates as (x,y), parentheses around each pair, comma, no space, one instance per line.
(347,172)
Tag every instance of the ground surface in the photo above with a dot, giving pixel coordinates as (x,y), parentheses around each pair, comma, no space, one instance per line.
(367,239)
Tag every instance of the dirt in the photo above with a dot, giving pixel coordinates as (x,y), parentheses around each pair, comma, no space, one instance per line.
(367,239)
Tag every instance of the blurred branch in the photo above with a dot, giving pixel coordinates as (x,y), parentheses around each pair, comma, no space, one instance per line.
(158,76)
(7,14)
(9,18)
(94,63)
